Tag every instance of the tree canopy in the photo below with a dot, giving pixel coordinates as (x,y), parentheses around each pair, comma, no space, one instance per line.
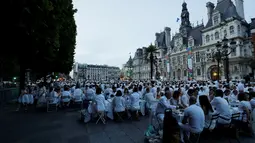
(40,35)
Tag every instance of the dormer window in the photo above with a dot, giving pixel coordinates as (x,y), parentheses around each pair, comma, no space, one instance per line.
(231,30)
(207,38)
(216,20)
(225,33)
(217,36)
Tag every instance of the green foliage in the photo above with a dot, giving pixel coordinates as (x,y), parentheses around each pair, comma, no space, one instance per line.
(150,52)
(41,35)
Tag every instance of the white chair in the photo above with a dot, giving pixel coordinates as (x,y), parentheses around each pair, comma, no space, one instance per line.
(101,117)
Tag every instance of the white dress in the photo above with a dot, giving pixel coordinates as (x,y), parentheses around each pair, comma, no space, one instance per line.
(100,102)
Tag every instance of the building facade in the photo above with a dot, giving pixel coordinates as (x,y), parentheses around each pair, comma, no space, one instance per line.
(192,52)
(95,72)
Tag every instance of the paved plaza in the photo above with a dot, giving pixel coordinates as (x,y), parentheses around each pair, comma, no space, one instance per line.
(64,127)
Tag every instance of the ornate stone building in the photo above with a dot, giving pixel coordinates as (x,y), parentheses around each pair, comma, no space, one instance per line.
(190,53)
(224,20)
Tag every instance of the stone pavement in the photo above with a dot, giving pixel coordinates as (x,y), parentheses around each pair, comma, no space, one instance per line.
(64,127)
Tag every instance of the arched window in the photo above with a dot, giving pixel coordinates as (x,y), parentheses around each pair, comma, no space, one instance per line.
(207,38)
(217,36)
(231,30)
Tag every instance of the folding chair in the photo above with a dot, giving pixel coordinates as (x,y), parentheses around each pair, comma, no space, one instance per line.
(78,101)
(214,118)
(101,117)
(51,106)
(119,116)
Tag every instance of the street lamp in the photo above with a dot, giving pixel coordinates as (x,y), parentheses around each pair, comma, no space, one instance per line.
(222,54)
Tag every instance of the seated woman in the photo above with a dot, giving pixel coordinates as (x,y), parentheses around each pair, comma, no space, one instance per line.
(100,101)
(208,111)
(244,106)
(163,104)
(66,96)
(135,103)
(118,105)
(77,94)
(175,100)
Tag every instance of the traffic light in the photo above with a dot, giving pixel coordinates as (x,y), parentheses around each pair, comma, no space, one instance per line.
(14,78)
(56,76)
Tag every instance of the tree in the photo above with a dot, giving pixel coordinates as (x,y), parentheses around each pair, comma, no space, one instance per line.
(67,40)
(150,53)
(39,31)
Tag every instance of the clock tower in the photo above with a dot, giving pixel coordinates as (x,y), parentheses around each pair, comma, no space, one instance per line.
(185,23)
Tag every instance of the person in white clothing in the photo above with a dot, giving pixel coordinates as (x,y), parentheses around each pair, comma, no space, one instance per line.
(135,100)
(90,93)
(100,100)
(118,105)
(221,106)
(240,86)
(163,104)
(194,119)
(149,98)
(252,101)
(208,111)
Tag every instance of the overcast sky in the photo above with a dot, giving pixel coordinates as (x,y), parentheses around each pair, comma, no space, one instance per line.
(108,30)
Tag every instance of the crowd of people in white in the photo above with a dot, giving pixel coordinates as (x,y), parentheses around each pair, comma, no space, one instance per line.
(195,104)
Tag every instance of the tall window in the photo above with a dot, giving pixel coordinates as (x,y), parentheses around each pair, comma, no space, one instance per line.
(197,57)
(233,51)
(184,59)
(245,52)
(207,38)
(211,36)
(217,36)
(216,20)
(239,29)
(185,73)
(198,72)
(178,59)
(231,30)
(225,33)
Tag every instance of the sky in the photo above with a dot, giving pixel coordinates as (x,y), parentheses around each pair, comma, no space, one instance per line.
(109,30)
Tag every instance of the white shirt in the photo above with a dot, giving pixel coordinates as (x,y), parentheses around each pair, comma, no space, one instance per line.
(66,96)
(240,86)
(221,106)
(90,93)
(252,102)
(185,100)
(149,98)
(100,102)
(77,94)
(135,98)
(242,106)
(119,104)
(196,117)
(209,122)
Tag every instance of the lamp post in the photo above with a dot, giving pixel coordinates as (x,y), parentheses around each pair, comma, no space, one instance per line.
(223,53)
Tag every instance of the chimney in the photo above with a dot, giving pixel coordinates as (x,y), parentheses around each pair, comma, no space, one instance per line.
(210,6)
(168,36)
(240,8)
